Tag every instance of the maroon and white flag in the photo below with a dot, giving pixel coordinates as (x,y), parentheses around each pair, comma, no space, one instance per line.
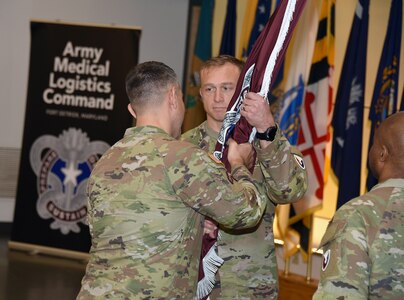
(260,70)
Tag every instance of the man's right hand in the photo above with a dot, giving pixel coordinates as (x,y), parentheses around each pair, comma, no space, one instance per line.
(210,228)
(240,154)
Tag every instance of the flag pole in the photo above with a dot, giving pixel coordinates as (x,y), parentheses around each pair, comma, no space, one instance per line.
(309,250)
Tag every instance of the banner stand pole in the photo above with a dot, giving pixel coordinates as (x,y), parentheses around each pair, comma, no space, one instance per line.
(38,249)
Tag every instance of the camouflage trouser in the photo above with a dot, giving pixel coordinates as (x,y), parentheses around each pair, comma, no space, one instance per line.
(249,272)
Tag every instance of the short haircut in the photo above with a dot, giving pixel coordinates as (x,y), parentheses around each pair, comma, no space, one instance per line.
(146,83)
(221,60)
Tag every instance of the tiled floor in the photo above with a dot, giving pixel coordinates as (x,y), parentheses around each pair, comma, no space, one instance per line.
(26,276)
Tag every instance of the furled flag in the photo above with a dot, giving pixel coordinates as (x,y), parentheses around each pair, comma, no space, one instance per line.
(286,100)
(348,111)
(385,94)
(195,114)
(315,118)
(260,68)
(228,45)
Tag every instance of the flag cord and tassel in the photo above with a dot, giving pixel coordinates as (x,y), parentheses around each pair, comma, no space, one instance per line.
(211,263)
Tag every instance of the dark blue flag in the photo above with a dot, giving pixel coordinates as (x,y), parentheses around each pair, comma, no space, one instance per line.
(348,111)
(261,18)
(385,94)
(228,45)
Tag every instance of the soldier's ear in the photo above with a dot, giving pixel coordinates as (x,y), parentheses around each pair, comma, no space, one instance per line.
(172,97)
(131,111)
(383,154)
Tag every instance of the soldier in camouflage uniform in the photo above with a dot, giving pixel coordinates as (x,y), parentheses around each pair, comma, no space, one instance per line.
(148,194)
(250,269)
(364,243)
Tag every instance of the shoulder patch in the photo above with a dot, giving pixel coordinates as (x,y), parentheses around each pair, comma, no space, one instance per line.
(300,161)
(326,260)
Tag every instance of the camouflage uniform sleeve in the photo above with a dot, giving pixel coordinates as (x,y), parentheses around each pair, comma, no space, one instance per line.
(283,169)
(346,264)
(203,184)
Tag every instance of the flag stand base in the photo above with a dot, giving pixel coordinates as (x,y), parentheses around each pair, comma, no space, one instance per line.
(295,286)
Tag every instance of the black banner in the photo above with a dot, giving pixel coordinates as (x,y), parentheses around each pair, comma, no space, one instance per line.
(76,108)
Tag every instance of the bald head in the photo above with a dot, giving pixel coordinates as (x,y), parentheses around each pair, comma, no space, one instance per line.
(386,157)
(391,132)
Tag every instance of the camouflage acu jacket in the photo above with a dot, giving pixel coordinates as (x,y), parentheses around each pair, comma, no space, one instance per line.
(147,195)
(364,247)
(250,269)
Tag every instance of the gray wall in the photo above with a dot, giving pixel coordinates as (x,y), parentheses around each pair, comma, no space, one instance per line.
(163,38)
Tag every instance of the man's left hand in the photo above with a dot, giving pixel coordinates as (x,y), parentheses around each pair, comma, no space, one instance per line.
(209,228)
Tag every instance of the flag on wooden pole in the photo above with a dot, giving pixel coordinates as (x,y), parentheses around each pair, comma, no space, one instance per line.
(315,117)
(228,44)
(348,111)
(286,102)
(385,94)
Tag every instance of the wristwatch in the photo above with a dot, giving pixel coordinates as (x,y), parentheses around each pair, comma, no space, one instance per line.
(267,135)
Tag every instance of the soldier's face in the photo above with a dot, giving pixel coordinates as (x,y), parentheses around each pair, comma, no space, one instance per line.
(217,88)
